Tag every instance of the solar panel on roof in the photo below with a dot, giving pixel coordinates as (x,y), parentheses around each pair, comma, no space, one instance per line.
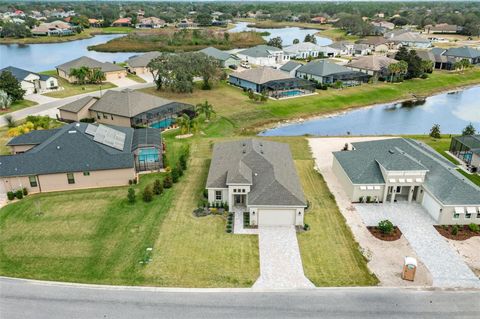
(91,129)
(110,137)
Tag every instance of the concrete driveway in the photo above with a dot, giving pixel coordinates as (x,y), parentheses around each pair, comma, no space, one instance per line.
(280,261)
(447,267)
(123,82)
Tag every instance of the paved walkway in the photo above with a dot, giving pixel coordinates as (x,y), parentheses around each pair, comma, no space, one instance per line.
(238,224)
(280,261)
(446,266)
(39,98)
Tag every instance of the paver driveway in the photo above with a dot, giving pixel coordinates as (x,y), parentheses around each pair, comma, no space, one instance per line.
(280,261)
(446,266)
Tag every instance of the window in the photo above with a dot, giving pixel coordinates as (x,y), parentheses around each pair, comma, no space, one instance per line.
(33,181)
(399,189)
(52,83)
(111,116)
(105,116)
(456,216)
(98,116)
(468,215)
(478,215)
(218,195)
(70,178)
(86,173)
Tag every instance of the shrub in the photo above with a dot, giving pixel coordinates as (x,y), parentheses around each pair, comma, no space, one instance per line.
(175,175)
(130,182)
(168,182)
(180,171)
(306,227)
(134,181)
(147,194)
(183,161)
(164,160)
(369,199)
(226,207)
(454,230)
(385,226)
(205,193)
(19,194)
(25,191)
(157,187)
(474,227)
(11,195)
(131,195)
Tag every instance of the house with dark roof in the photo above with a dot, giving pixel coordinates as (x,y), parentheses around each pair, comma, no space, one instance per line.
(111,71)
(377,44)
(405,170)
(263,55)
(137,64)
(258,177)
(374,65)
(408,38)
(290,67)
(326,72)
(275,83)
(465,52)
(467,149)
(225,59)
(33,82)
(79,155)
(442,28)
(125,108)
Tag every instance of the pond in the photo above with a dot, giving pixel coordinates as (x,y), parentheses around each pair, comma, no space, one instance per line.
(288,34)
(46,56)
(452,111)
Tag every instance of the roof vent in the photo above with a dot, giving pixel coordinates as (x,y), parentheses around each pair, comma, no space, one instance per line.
(58,147)
(72,132)
(255,174)
(391,151)
(77,125)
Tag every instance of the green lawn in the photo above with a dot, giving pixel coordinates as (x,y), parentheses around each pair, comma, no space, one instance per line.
(85,34)
(473,177)
(135,78)
(337,35)
(441,145)
(18,105)
(70,89)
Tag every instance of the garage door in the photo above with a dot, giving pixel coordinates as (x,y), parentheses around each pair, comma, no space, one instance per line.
(431,205)
(276,217)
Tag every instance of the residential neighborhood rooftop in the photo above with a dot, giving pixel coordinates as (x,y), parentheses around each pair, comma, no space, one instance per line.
(260,51)
(261,75)
(142,60)
(89,62)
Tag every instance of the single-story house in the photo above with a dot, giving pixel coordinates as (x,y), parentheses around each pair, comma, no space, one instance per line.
(465,52)
(467,149)
(374,65)
(186,24)
(384,25)
(291,67)
(408,39)
(341,48)
(79,155)
(150,23)
(33,82)
(442,28)
(137,64)
(329,52)
(55,28)
(126,108)
(435,55)
(258,177)
(275,83)
(111,70)
(319,19)
(302,50)
(326,72)
(122,22)
(376,44)
(399,169)
(224,58)
(95,23)
(263,55)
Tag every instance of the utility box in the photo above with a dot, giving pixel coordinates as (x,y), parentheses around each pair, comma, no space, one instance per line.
(409,268)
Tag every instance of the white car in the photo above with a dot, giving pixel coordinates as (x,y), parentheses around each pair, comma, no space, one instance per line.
(245,65)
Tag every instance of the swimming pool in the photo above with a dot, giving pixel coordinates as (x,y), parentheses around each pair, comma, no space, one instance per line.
(148,155)
(162,124)
(291,93)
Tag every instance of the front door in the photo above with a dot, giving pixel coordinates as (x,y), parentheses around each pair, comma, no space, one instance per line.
(240,200)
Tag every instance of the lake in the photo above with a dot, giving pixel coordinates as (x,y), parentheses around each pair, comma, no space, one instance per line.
(453,111)
(288,34)
(46,56)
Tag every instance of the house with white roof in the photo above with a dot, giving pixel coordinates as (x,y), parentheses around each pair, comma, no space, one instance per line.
(264,55)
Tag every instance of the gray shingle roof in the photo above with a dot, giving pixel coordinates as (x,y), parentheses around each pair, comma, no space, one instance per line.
(139,61)
(77,105)
(290,66)
(33,138)
(89,62)
(442,179)
(302,47)
(261,75)
(21,74)
(463,52)
(268,166)
(322,68)
(259,51)
(372,62)
(218,54)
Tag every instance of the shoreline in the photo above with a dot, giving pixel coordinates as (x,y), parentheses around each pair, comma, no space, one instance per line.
(58,39)
(270,126)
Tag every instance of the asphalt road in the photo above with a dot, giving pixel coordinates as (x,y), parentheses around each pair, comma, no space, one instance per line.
(31,299)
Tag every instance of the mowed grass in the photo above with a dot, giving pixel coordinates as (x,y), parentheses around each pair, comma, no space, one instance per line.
(441,145)
(475,178)
(18,105)
(135,78)
(70,89)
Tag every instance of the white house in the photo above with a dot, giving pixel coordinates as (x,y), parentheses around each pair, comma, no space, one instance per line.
(33,82)
(302,50)
(257,177)
(264,55)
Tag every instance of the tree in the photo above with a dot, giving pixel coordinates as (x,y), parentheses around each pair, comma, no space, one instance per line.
(207,67)
(5,100)
(175,174)
(131,195)
(10,85)
(167,182)
(81,21)
(296,41)
(415,66)
(275,42)
(469,130)
(157,187)
(386,227)
(14,30)
(206,109)
(184,122)
(147,195)
(80,74)
(204,19)
(435,131)
(226,36)
(310,38)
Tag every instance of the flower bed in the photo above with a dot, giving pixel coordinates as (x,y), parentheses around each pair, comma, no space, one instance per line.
(377,233)
(463,232)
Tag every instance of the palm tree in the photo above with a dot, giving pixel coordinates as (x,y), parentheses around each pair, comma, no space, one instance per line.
(393,69)
(96,76)
(184,123)
(206,109)
(80,74)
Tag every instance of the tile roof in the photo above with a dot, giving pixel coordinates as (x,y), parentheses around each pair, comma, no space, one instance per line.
(142,60)
(267,166)
(89,62)
(261,75)
(260,51)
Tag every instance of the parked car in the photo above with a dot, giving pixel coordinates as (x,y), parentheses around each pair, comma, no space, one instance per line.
(233,67)
(245,65)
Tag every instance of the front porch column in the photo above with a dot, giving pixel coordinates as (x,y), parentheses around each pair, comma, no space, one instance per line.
(410,193)
(385,194)
(392,196)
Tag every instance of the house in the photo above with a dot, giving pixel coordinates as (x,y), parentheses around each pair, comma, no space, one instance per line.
(374,65)
(273,82)
(258,177)
(360,49)
(291,67)
(137,64)
(111,71)
(376,44)
(126,108)
(79,156)
(328,51)
(404,170)
(465,52)
(385,25)
(33,82)
(122,22)
(467,149)
(224,58)
(263,55)
(442,28)
(408,39)
(326,72)
(95,23)
(342,48)
(186,24)
(321,20)
(302,50)
(435,56)
(55,28)
(150,23)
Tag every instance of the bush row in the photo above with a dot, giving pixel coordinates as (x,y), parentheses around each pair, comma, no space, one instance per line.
(19,194)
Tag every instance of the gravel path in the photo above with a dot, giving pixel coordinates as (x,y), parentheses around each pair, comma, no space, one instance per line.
(446,266)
